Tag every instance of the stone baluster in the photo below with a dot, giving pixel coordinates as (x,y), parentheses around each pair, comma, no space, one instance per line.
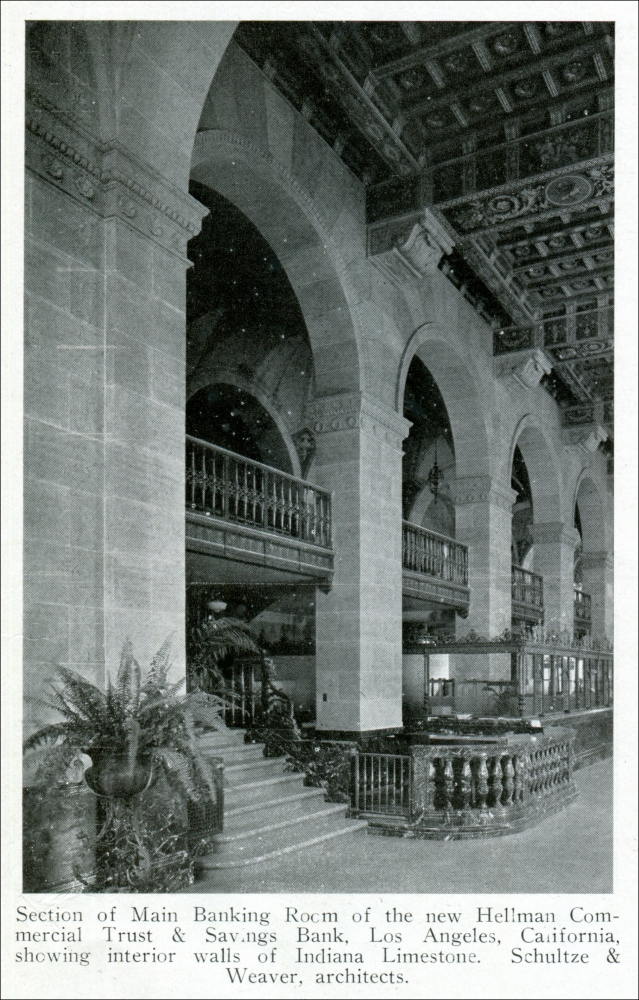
(509,784)
(495,782)
(482,784)
(465,783)
(448,784)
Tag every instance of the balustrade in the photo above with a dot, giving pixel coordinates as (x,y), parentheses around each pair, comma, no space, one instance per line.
(482,787)
(222,484)
(433,554)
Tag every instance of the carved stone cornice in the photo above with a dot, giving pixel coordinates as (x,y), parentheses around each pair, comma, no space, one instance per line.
(598,561)
(348,411)
(482,489)
(586,437)
(110,182)
(409,248)
(555,533)
(522,369)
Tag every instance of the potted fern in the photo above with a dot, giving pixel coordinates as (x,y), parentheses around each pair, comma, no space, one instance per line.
(140,738)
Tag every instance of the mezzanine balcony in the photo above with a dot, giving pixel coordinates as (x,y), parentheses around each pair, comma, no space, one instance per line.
(582,614)
(435,567)
(527,596)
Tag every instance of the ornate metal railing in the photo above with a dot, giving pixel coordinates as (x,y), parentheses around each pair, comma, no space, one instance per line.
(222,484)
(435,555)
(250,694)
(475,788)
(550,673)
(381,784)
(527,594)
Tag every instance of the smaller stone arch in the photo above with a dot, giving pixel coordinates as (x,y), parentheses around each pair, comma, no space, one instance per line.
(226,376)
(591,511)
(543,469)
(462,396)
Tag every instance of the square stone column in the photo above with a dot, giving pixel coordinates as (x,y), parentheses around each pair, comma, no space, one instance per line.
(597,569)
(483,513)
(104,405)
(554,560)
(359,622)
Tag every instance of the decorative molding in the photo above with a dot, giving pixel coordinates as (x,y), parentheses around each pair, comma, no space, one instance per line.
(304,442)
(546,194)
(482,489)
(410,247)
(355,410)
(523,369)
(555,533)
(587,437)
(598,561)
(103,181)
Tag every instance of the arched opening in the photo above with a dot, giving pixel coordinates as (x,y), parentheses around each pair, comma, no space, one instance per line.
(249,375)
(230,418)
(527,586)
(592,574)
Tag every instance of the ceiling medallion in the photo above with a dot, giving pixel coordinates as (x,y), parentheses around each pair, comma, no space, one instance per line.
(436,121)
(574,71)
(556,242)
(413,79)
(456,62)
(568,190)
(505,44)
(525,89)
(556,28)
(537,271)
(504,205)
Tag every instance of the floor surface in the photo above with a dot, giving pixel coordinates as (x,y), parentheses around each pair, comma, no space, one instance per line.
(569,852)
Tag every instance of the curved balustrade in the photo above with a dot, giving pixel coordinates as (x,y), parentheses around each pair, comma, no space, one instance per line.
(434,555)
(222,484)
(479,789)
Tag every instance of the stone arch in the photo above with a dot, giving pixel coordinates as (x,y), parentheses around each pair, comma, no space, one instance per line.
(231,377)
(543,470)
(282,212)
(591,511)
(461,393)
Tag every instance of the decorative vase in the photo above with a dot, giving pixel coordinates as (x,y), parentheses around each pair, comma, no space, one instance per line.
(118,776)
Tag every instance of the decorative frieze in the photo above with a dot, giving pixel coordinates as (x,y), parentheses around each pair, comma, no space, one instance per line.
(523,369)
(110,183)
(555,533)
(349,411)
(482,489)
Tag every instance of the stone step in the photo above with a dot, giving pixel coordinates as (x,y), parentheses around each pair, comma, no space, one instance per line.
(237,755)
(252,770)
(262,791)
(289,799)
(276,843)
(225,737)
(276,812)
(282,826)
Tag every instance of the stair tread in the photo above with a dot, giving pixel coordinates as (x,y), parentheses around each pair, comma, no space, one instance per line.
(211,862)
(330,809)
(281,779)
(307,793)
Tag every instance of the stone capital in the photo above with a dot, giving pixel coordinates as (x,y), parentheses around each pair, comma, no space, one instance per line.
(555,533)
(348,411)
(522,369)
(109,181)
(482,489)
(409,247)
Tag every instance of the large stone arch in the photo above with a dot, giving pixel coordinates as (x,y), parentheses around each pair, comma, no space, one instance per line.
(282,212)
(461,393)
(591,511)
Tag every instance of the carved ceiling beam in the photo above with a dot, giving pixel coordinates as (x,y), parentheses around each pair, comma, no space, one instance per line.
(366,101)
(492,82)
(534,284)
(567,230)
(459,41)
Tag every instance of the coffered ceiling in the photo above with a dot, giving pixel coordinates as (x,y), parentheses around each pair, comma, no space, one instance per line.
(503,132)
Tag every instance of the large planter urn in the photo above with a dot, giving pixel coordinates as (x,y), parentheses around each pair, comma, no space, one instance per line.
(118,776)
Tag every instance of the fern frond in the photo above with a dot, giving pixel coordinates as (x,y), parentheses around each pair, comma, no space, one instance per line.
(156,677)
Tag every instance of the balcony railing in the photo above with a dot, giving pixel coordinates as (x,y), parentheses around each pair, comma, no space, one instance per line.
(434,555)
(221,484)
(527,594)
(582,614)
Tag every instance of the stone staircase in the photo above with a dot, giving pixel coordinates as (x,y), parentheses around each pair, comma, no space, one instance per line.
(267,811)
